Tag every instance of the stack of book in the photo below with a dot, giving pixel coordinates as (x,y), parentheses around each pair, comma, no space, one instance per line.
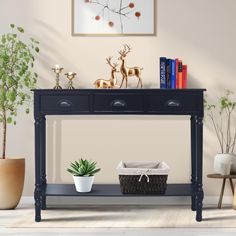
(173,74)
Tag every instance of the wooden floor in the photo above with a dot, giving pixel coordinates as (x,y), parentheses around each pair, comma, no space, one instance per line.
(10,216)
(118,232)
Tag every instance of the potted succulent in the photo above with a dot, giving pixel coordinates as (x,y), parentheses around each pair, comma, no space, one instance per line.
(83,174)
(16,80)
(222,117)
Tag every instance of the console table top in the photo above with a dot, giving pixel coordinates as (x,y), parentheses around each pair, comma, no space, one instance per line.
(133,90)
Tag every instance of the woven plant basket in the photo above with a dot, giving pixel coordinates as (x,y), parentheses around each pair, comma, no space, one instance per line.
(143,177)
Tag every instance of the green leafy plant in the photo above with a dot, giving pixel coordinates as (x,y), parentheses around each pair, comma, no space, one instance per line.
(16,76)
(221,116)
(83,167)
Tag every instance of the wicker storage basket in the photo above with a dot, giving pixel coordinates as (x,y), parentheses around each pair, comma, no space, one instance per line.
(143,177)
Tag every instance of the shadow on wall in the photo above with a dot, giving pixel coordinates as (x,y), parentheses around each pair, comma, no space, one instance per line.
(193,82)
(50,40)
(55,158)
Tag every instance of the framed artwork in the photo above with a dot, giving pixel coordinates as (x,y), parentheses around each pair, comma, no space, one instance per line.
(114,17)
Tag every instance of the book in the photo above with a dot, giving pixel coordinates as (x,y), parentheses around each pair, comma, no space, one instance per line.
(176,73)
(173,74)
(180,74)
(185,75)
(168,73)
(163,72)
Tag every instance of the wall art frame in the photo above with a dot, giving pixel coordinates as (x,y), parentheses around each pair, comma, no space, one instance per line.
(114,17)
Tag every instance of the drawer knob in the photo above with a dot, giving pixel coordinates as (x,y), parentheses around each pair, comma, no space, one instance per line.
(173,103)
(65,103)
(118,103)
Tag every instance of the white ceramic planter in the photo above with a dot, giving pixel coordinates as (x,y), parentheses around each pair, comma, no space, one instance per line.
(233,166)
(222,161)
(83,184)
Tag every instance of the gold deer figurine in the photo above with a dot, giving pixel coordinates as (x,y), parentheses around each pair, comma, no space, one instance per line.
(111,83)
(127,72)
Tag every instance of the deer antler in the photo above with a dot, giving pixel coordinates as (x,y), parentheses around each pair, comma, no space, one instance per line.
(113,65)
(109,61)
(125,51)
(127,48)
(122,53)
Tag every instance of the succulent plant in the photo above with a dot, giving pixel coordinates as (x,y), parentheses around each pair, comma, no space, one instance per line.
(83,167)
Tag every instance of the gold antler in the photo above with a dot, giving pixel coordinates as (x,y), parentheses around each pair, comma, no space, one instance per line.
(122,53)
(109,61)
(113,65)
(127,49)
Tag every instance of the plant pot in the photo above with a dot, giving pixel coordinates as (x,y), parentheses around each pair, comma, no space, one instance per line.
(83,184)
(12,175)
(221,160)
(233,166)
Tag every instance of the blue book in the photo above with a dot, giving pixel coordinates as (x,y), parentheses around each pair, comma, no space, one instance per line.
(163,82)
(168,73)
(173,74)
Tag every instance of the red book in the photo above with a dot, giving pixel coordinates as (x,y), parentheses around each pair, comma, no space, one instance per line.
(185,76)
(180,75)
(176,73)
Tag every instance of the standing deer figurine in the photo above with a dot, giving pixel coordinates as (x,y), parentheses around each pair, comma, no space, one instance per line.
(111,83)
(129,71)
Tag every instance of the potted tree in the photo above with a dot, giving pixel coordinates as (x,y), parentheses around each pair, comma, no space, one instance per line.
(222,116)
(16,80)
(83,174)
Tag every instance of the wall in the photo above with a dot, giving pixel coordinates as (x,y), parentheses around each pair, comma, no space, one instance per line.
(202,33)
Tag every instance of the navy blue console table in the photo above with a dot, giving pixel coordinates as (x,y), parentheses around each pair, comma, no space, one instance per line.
(120,102)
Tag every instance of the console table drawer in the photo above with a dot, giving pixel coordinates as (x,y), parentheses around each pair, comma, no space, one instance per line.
(118,102)
(174,103)
(71,103)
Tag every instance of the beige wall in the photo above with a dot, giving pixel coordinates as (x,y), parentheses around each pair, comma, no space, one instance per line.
(202,33)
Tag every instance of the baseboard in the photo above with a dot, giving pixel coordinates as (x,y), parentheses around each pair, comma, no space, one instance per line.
(208,200)
(26,200)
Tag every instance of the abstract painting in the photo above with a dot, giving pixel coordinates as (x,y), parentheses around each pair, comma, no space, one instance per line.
(113,17)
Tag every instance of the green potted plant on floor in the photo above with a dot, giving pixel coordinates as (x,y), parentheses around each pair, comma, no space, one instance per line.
(222,117)
(16,80)
(83,174)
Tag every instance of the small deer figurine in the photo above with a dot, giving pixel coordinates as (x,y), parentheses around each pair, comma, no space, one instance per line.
(128,71)
(111,83)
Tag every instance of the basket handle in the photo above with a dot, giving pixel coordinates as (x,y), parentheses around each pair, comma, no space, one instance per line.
(143,174)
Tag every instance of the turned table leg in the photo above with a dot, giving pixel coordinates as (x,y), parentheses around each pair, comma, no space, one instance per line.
(199,191)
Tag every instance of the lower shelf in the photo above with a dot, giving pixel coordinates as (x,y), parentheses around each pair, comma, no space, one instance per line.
(112,190)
